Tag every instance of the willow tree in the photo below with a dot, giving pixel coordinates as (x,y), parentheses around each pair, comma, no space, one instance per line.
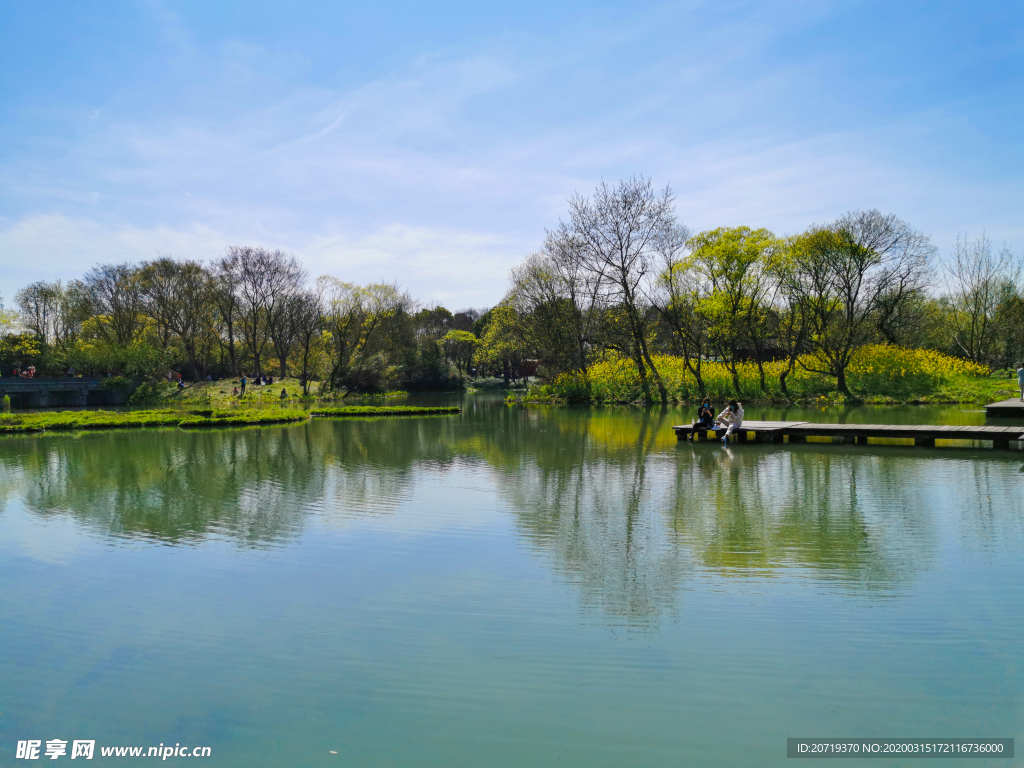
(614,237)
(736,263)
(679,294)
(503,344)
(460,347)
(362,323)
(556,306)
(845,269)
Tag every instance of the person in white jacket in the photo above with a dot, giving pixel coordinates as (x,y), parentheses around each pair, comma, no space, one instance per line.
(731,418)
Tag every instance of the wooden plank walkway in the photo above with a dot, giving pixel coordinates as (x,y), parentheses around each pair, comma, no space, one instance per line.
(921,434)
(1005,408)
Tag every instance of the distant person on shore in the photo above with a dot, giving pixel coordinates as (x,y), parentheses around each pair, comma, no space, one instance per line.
(234,392)
(284,394)
(1020,381)
(243,385)
(731,418)
(705,417)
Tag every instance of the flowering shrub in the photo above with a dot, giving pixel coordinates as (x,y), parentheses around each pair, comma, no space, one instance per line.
(875,370)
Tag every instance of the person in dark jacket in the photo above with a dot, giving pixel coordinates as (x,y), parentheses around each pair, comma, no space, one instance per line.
(705,417)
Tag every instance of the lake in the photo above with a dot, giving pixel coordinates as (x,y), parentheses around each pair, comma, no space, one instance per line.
(507,587)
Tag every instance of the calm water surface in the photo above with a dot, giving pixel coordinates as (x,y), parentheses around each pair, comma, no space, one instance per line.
(507,587)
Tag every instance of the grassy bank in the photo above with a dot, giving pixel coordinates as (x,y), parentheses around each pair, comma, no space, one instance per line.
(878,374)
(219,394)
(52,421)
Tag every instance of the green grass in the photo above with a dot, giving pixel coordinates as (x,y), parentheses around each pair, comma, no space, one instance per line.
(243,418)
(53,421)
(68,420)
(218,394)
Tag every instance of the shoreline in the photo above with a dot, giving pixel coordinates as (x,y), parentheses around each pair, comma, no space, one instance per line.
(83,421)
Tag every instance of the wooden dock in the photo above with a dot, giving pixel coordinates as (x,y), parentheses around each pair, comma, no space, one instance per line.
(1005,408)
(921,434)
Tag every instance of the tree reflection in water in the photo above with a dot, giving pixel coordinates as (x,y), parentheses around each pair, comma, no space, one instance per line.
(621,510)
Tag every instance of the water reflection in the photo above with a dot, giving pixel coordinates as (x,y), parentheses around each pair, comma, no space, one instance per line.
(619,509)
(585,496)
(848,516)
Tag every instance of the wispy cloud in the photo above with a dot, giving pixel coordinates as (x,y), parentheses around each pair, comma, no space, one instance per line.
(445,169)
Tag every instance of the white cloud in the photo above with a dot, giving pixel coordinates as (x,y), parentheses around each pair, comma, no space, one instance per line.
(443,174)
(457,268)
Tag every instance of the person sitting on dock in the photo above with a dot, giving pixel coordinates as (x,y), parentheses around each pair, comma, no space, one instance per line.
(731,418)
(705,418)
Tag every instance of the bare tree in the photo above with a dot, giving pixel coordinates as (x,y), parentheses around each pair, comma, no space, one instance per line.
(308,318)
(679,295)
(159,295)
(192,320)
(283,312)
(616,235)
(53,312)
(558,303)
(792,316)
(39,304)
(261,281)
(225,300)
(846,268)
(116,297)
(977,282)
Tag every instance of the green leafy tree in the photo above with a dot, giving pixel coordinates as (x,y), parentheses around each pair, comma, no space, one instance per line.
(460,347)
(844,271)
(736,262)
(503,346)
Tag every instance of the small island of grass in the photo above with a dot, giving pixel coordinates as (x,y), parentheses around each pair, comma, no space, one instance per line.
(53,421)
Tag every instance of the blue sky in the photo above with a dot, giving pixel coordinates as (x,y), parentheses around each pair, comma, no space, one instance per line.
(433,143)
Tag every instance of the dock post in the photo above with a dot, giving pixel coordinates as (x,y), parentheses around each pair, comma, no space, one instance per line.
(927,442)
(1002,444)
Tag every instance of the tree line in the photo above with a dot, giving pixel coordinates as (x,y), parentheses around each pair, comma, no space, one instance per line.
(620,275)
(252,311)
